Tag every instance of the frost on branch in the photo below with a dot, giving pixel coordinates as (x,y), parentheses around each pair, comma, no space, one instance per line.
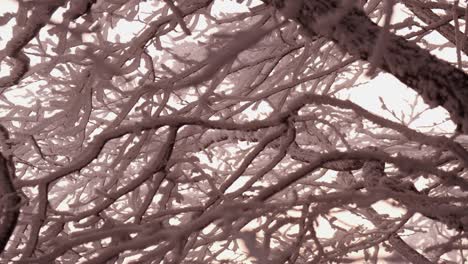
(134,143)
(437,81)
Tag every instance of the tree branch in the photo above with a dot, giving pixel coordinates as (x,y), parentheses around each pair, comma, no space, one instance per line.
(437,81)
(429,17)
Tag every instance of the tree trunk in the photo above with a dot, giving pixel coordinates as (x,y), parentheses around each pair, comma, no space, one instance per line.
(9,205)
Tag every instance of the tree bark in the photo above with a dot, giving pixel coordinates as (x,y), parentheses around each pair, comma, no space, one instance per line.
(9,199)
(9,205)
(437,81)
(397,243)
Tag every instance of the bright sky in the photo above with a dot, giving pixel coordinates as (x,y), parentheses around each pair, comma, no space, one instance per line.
(396,96)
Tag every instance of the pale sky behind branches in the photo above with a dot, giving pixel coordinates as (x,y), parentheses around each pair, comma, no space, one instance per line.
(396,96)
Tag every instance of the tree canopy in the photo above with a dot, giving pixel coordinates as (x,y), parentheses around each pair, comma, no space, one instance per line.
(222,131)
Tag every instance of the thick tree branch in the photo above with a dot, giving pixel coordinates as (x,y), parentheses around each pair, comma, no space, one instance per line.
(437,81)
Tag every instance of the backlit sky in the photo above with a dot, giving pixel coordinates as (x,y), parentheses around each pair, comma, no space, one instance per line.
(396,96)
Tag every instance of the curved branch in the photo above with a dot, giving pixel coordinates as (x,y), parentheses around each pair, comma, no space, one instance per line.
(40,16)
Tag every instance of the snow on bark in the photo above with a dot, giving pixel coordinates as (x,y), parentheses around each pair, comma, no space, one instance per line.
(397,243)
(39,17)
(21,36)
(437,81)
(376,180)
(295,151)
